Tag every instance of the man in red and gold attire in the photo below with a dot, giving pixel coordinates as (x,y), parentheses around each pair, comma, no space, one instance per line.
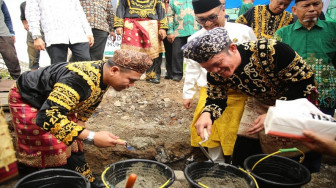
(143,25)
(50,106)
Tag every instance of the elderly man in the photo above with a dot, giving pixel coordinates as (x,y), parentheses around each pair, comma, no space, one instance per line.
(264,69)
(311,31)
(314,40)
(49,107)
(210,14)
(266,19)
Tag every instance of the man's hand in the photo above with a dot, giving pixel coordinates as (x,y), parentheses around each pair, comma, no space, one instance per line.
(13,37)
(25,25)
(119,30)
(258,125)
(320,144)
(187,103)
(104,139)
(91,40)
(204,121)
(171,38)
(162,34)
(113,35)
(39,44)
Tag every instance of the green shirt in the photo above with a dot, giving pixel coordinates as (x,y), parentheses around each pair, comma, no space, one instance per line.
(244,8)
(318,47)
(331,11)
(181,18)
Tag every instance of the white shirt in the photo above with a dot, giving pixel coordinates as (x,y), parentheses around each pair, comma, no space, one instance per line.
(62,21)
(195,74)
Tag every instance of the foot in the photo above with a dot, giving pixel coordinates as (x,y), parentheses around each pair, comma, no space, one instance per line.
(155,81)
(168,77)
(177,79)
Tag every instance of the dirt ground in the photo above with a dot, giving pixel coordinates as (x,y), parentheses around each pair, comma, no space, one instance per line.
(152,119)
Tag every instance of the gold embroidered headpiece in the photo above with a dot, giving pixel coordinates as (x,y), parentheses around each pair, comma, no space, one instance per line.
(132,60)
(201,49)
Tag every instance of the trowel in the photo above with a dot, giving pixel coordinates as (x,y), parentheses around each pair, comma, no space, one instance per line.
(127,145)
(206,137)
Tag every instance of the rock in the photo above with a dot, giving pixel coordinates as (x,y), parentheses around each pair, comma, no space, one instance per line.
(117,103)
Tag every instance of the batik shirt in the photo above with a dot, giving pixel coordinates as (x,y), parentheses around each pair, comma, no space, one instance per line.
(181,18)
(99,13)
(151,9)
(318,47)
(263,22)
(269,70)
(60,90)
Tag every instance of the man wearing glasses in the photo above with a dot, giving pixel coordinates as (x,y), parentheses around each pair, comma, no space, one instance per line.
(211,14)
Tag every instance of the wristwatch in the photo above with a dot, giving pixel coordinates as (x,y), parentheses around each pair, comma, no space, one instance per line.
(36,37)
(89,140)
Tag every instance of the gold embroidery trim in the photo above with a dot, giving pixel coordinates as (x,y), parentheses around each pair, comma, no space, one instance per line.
(64,95)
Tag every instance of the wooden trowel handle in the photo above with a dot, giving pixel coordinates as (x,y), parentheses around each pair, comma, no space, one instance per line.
(205,133)
(131,180)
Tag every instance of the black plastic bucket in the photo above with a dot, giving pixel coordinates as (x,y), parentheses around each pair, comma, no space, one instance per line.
(119,171)
(53,178)
(198,170)
(277,171)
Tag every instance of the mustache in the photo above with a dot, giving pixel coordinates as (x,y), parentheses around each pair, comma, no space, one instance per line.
(310,20)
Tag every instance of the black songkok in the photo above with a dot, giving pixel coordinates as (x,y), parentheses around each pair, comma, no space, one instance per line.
(201,49)
(201,6)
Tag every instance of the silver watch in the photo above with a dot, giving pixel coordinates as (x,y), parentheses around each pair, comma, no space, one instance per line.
(89,140)
(36,37)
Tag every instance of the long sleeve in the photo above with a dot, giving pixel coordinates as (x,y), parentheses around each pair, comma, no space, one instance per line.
(64,97)
(33,16)
(8,19)
(82,17)
(110,16)
(120,14)
(217,95)
(194,75)
(171,18)
(161,12)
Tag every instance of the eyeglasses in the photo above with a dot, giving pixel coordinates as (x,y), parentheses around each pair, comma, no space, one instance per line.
(211,18)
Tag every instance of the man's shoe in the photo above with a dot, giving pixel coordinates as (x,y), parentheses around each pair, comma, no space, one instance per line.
(149,79)
(177,79)
(155,81)
(168,77)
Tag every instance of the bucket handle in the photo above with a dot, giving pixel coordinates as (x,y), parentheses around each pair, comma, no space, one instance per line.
(103,175)
(281,151)
(248,173)
(107,186)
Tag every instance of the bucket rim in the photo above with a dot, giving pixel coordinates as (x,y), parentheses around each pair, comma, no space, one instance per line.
(18,183)
(305,181)
(209,162)
(171,179)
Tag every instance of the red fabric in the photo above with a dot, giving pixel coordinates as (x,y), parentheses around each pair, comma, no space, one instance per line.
(137,36)
(36,147)
(6,175)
